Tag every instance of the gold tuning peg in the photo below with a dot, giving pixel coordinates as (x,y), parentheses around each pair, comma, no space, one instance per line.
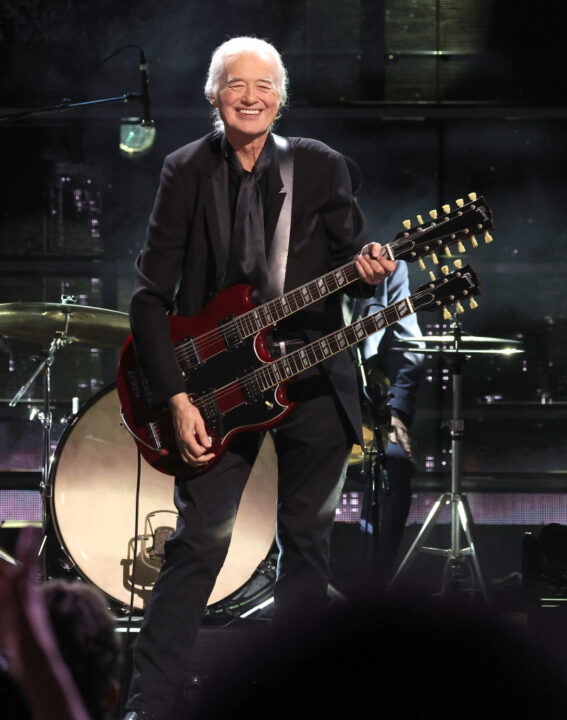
(407,224)
(446,209)
(460,202)
(421,264)
(458,264)
(435,258)
(433,214)
(420,219)
(448,251)
(488,237)
(447,315)
(445,269)
(459,308)
(473,304)
(474,241)
(472,196)
(432,276)
(460,247)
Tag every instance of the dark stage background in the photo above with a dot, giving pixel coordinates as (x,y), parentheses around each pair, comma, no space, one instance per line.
(433,99)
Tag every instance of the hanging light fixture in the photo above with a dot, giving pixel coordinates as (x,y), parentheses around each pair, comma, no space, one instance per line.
(136,137)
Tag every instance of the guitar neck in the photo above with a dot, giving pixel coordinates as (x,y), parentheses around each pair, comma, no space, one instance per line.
(298,361)
(291,302)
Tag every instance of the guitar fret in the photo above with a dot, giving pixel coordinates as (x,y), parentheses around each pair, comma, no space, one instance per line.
(379,321)
(268,314)
(404,308)
(391,314)
(334,344)
(358,329)
(277,311)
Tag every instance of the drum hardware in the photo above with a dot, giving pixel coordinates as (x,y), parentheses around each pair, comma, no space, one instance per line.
(464,344)
(11,525)
(461,518)
(152,542)
(60,324)
(375,395)
(45,416)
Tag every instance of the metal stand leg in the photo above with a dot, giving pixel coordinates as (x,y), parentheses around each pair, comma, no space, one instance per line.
(61,340)
(458,558)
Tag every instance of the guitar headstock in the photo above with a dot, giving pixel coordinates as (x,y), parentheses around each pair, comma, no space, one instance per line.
(450,289)
(446,230)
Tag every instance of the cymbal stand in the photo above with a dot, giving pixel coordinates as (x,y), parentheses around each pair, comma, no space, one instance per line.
(45,417)
(461,518)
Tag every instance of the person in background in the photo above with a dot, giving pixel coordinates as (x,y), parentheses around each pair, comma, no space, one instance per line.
(59,657)
(389,378)
(393,374)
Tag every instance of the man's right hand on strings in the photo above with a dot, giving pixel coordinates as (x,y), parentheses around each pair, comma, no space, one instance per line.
(191,435)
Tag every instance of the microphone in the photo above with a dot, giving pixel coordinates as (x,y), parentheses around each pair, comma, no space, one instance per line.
(145,94)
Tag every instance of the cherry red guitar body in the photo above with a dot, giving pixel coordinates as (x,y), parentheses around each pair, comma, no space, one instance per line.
(213,356)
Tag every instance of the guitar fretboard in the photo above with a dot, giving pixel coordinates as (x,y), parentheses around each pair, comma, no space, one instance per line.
(272,311)
(298,361)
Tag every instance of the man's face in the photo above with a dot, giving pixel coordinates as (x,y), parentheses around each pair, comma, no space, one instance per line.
(248,100)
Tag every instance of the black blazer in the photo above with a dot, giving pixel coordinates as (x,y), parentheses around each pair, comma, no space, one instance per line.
(184,261)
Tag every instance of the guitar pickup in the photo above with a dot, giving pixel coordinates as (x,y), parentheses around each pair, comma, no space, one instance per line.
(251,391)
(229,332)
(188,355)
(211,414)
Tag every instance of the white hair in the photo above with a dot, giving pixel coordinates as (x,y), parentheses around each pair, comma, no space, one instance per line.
(239,46)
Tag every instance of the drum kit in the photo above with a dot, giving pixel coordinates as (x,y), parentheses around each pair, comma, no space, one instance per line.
(90,488)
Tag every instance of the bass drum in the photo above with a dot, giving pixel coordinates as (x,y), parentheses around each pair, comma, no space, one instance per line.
(93,503)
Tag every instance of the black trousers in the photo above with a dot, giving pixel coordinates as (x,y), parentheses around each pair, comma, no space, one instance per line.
(312,445)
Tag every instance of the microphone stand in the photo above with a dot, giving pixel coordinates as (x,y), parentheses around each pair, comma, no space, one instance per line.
(67,104)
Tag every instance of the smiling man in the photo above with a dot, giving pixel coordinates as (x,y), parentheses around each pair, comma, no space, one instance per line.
(242,205)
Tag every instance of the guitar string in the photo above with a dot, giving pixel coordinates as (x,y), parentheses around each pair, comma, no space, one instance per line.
(204,344)
(212,337)
(246,382)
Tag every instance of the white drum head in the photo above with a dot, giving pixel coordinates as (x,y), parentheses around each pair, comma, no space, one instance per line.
(93,507)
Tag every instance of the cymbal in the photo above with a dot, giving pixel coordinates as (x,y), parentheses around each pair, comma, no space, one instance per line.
(467,345)
(464,351)
(42,322)
(464,338)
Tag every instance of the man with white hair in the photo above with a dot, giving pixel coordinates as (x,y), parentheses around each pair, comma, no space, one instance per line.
(224,214)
